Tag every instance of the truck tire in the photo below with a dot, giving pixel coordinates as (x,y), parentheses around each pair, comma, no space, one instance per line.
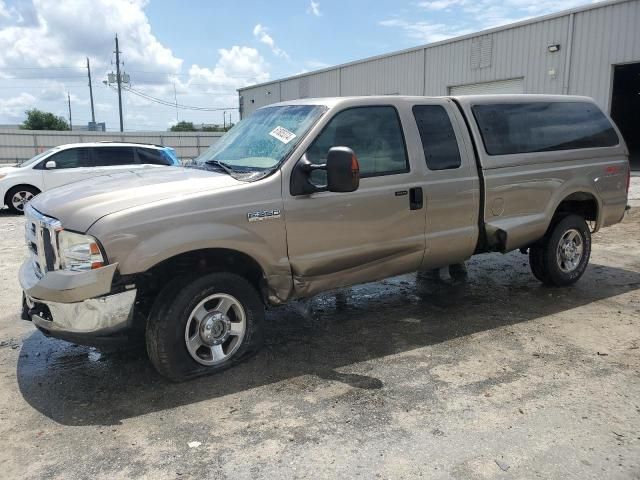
(562,256)
(203,325)
(17,197)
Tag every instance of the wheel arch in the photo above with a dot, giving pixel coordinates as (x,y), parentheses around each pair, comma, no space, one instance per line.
(583,202)
(18,186)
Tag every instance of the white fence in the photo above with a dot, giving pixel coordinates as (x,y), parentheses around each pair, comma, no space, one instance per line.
(19,145)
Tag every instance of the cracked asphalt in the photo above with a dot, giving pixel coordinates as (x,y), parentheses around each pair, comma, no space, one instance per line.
(492,376)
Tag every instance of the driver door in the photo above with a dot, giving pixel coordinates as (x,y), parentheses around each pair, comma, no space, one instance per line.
(71,166)
(339,239)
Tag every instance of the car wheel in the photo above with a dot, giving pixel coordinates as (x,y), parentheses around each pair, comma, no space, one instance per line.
(204,325)
(561,258)
(18,197)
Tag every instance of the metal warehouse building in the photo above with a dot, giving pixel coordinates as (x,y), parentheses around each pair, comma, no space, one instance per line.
(592,50)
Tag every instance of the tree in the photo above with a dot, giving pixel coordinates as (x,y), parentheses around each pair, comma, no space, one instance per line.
(39,120)
(183,127)
(216,128)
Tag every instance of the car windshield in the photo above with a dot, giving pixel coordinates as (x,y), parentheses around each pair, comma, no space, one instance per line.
(263,140)
(35,159)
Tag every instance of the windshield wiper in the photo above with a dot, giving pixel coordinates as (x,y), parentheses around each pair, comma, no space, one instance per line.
(225,166)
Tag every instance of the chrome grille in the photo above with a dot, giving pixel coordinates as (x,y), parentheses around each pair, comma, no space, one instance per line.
(41,236)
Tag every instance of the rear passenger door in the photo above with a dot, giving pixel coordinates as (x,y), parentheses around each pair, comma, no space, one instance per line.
(337,239)
(450,182)
(108,160)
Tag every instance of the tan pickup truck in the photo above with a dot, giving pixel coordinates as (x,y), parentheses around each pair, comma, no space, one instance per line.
(315,194)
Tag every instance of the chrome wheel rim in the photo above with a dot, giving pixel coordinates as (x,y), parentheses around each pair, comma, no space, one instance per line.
(20,199)
(570,250)
(215,329)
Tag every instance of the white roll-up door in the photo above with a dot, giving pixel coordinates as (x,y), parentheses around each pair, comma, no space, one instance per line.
(514,85)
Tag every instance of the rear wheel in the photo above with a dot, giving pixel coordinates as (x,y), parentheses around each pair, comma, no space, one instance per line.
(18,197)
(204,325)
(562,256)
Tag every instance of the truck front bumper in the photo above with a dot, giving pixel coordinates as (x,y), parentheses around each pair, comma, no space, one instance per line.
(57,304)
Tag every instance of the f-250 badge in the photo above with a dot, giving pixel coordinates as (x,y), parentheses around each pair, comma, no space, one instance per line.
(263,215)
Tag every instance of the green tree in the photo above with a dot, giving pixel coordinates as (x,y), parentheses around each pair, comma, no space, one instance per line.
(217,128)
(39,120)
(183,127)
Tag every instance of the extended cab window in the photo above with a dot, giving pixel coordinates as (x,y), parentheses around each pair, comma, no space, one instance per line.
(373,133)
(438,138)
(112,156)
(152,157)
(71,158)
(509,128)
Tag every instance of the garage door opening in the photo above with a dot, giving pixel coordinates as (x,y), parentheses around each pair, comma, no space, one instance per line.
(625,105)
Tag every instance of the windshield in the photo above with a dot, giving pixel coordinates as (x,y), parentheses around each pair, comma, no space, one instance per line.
(263,140)
(35,159)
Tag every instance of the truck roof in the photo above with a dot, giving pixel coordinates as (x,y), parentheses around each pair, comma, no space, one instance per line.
(504,98)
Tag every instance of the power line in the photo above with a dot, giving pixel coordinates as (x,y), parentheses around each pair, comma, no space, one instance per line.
(168,103)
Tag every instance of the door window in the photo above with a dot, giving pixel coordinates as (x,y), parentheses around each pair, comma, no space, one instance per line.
(112,156)
(373,133)
(151,156)
(438,137)
(71,158)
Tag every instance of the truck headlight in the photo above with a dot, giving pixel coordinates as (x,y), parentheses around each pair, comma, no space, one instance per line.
(78,252)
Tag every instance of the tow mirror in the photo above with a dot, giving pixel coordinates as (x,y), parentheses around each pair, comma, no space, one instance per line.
(50,165)
(343,170)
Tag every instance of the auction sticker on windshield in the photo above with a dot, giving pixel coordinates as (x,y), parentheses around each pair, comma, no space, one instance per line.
(282,134)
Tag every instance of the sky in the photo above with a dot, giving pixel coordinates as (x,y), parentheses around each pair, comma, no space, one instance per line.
(198,53)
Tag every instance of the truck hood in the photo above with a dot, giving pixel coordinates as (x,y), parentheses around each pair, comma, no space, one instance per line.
(80,204)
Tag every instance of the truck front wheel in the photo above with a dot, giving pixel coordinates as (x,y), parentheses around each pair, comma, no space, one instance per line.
(561,257)
(204,325)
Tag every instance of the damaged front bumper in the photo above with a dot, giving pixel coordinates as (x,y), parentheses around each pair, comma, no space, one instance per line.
(79,306)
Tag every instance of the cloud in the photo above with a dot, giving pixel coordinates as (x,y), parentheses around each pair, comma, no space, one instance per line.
(459,17)
(425,31)
(13,108)
(43,45)
(66,31)
(316,64)
(237,67)
(438,4)
(261,34)
(314,9)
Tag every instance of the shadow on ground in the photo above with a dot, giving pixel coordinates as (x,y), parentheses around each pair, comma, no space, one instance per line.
(6,213)
(76,385)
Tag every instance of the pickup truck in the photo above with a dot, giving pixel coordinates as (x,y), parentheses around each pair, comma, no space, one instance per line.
(310,195)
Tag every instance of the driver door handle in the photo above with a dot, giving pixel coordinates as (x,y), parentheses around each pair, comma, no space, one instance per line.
(416,198)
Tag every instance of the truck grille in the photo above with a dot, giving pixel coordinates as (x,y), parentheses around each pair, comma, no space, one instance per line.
(41,236)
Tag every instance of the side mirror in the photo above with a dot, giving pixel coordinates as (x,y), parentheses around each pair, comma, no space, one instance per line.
(343,170)
(50,165)
(343,173)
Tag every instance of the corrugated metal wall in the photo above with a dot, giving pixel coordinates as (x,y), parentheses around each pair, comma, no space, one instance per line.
(17,145)
(603,38)
(594,38)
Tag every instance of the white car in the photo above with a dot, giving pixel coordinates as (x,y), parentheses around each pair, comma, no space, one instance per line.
(76,161)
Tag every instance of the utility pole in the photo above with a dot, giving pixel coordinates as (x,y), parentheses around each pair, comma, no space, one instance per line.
(93,113)
(69,103)
(175,97)
(224,121)
(119,81)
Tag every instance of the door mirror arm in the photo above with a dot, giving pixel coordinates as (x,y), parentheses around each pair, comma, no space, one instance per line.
(301,178)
